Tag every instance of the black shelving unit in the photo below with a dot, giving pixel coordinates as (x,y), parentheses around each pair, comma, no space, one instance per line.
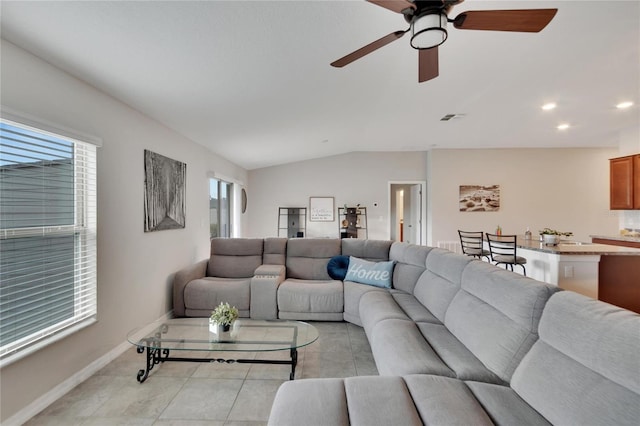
(352,222)
(292,222)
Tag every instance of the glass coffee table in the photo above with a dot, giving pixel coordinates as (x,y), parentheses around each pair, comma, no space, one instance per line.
(194,335)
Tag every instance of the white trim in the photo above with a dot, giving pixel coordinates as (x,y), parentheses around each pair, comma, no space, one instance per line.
(23,351)
(39,125)
(214,175)
(59,391)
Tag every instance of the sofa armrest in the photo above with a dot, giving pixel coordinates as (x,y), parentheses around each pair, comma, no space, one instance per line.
(180,281)
(264,289)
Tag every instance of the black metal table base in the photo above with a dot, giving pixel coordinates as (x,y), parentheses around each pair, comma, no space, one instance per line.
(157,355)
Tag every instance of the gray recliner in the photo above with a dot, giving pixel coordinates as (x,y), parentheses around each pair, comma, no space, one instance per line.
(224,277)
(309,293)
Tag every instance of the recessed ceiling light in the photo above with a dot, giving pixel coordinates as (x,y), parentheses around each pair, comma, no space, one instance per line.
(549,106)
(563,126)
(624,105)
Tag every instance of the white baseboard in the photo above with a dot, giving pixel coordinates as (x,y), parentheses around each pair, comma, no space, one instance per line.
(57,392)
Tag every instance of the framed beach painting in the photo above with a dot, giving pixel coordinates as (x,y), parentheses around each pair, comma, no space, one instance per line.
(479,198)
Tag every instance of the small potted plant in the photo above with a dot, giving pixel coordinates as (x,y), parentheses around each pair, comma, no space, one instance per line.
(224,315)
(551,237)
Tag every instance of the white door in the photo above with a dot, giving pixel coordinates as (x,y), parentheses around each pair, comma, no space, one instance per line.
(413,214)
(406,212)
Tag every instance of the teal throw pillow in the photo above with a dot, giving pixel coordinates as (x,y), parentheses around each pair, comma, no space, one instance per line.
(379,274)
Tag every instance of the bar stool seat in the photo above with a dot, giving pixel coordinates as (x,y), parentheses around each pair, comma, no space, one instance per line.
(503,251)
(472,244)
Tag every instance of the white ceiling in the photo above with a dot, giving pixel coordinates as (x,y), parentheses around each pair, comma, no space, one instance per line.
(252,81)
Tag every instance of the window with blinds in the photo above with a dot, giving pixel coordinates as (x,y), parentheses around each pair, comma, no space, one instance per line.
(220,202)
(47,237)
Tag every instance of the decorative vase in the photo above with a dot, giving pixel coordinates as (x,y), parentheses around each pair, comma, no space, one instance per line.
(218,329)
(551,240)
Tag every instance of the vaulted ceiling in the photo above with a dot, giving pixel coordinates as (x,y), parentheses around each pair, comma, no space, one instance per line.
(251,79)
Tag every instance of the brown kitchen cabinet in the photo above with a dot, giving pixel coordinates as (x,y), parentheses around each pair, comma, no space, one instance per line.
(624,182)
(618,281)
(636,181)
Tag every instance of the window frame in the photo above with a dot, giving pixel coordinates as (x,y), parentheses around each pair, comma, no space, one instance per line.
(230,202)
(83,229)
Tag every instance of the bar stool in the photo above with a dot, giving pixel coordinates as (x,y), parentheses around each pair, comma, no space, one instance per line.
(471,242)
(502,249)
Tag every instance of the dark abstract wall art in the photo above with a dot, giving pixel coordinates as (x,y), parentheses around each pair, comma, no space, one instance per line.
(164,192)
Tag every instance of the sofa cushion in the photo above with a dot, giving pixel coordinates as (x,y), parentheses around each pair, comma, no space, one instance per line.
(504,406)
(410,264)
(307,258)
(412,307)
(205,294)
(441,280)
(275,251)
(337,267)
(445,401)
(378,306)
(585,367)
(293,405)
(316,296)
(353,292)
(455,355)
(358,401)
(234,257)
(495,315)
(373,400)
(378,274)
(374,250)
(399,348)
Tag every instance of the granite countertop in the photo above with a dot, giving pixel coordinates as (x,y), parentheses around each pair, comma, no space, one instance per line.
(617,238)
(576,248)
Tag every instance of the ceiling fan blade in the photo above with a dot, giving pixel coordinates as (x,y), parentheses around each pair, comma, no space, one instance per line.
(394,5)
(427,64)
(525,20)
(346,60)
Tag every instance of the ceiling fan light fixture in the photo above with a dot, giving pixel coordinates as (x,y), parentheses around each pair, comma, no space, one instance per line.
(429,30)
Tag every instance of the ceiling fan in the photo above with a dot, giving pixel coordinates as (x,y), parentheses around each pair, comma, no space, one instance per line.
(428,25)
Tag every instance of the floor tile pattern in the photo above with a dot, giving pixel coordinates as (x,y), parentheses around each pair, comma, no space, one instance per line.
(205,394)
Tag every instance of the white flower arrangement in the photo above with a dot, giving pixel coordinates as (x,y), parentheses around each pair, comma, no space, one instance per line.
(549,231)
(224,314)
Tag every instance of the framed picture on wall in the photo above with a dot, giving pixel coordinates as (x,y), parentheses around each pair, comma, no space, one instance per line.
(164,192)
(321,209)
(479,198)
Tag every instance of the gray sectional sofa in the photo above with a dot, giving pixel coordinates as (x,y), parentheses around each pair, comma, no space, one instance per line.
(455,340)
(275,278)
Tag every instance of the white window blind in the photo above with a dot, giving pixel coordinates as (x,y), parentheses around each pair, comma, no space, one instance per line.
(47,237)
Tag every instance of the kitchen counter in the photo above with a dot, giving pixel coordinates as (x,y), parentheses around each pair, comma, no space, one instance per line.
(569,247)
(617,238)
(602,271)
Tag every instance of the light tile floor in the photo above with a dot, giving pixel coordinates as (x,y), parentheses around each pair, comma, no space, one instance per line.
(211,394)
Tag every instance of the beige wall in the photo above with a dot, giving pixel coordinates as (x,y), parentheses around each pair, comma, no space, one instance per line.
(354,178)
(134,269)
(564,189)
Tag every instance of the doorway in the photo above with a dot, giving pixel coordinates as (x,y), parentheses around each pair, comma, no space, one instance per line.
(407,211)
